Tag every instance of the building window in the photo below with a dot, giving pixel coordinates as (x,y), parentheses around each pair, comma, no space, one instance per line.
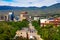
(31,31)
(21,33)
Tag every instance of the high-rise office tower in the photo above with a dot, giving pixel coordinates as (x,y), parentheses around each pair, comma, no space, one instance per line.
(11,16)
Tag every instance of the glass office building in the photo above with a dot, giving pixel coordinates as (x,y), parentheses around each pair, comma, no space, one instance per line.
(11,16)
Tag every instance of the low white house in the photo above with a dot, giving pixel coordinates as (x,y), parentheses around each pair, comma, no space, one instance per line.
(43,22)
(36,17)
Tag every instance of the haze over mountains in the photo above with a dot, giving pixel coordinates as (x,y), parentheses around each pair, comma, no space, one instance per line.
(53,9)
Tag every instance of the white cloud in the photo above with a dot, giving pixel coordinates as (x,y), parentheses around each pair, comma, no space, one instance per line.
(26,3)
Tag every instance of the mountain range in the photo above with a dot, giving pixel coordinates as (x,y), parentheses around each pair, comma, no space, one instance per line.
(45,10)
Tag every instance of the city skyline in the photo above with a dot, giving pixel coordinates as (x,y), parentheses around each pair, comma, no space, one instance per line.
(28,3)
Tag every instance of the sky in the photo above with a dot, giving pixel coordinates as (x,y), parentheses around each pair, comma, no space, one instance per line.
(28,3)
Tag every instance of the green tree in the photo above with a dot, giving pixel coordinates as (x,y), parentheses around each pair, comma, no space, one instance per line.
(48,32)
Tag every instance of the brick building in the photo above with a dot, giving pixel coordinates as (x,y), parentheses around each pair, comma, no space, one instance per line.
(23,15)
(53,21)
